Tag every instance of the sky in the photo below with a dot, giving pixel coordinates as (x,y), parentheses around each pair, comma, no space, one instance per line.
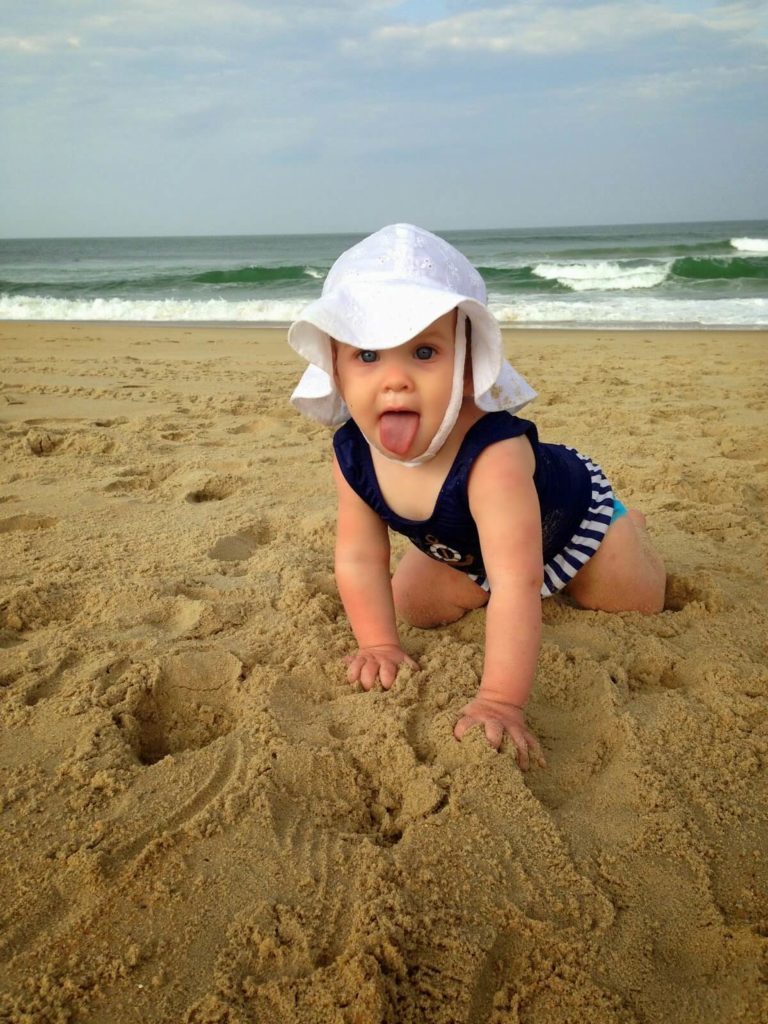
(182,117)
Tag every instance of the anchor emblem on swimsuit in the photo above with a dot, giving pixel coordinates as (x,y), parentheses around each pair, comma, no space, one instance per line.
(443,553)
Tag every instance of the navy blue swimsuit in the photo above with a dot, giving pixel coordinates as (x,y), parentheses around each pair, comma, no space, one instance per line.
(575,498)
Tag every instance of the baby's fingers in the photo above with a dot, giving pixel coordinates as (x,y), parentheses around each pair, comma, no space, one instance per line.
(387,673)
(494,733)
(526,745)
(365,669)
(371,670)
(528,749)
(358,670)
(535,751)
(521,743)
(354,663)
(388,669)
(463,725)
(494,730)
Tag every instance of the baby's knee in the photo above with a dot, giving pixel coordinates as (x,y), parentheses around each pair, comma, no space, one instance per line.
(657,588)
(626,574)
(420,613)
(650,599)
(406,608)
(419,620)
(654,576)
(428,593)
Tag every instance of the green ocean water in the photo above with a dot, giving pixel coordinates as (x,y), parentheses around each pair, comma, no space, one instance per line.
(669,274)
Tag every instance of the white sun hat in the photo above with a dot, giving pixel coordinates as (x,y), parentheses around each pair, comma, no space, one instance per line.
(382,292)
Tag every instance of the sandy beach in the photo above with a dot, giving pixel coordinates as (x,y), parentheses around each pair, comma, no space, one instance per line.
(203,822)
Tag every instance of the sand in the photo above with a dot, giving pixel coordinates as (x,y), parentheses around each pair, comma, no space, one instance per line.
(203,822)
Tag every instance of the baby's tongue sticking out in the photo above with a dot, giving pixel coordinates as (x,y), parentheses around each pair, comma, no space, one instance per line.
(398,430)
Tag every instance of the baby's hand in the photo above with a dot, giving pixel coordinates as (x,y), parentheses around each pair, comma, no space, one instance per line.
(382,662)
(498,718)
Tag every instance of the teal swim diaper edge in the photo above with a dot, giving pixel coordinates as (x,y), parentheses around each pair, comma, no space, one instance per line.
(619,509)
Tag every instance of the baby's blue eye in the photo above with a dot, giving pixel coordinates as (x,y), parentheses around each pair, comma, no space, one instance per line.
(368,356)
(424,352)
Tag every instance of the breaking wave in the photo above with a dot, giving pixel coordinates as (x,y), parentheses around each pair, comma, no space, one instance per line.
(603,275)
(41,307)
(750,244)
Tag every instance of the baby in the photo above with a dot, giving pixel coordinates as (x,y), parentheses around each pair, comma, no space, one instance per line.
(405,354)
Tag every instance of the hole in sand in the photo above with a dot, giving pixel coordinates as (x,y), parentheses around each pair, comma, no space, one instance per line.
(215,489)
(191,703)
(236,548)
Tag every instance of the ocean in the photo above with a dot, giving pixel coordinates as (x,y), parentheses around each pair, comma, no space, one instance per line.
(667,275)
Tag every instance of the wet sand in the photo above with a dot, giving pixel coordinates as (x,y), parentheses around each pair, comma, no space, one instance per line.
(202,822)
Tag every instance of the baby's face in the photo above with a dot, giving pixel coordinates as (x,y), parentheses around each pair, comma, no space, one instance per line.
(398,396)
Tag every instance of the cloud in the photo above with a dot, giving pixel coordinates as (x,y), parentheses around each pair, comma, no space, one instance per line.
(296,106)
(694,83)
(547,29)
(38,44)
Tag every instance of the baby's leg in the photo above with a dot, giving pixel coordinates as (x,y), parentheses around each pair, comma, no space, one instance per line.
(428,593)
(626,573)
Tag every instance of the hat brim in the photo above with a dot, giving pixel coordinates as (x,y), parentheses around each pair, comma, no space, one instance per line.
(375,315)
(383,315)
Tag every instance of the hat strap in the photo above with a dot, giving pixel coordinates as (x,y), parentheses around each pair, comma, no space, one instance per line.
(454,402)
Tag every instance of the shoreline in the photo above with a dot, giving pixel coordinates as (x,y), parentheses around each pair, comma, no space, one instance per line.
(184,756)
(537,326)
(114,328)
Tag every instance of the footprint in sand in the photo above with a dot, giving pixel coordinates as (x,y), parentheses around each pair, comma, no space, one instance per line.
(138,479)
(240,546)
(368,787)
(26,523)
(651,665)
(261,425)
(190,703)
(65,673)
(174,615)
(89,442)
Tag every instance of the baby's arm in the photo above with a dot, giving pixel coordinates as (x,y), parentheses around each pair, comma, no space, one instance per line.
(364,582)
(505,507)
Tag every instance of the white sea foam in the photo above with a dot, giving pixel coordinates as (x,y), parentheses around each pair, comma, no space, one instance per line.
(750,244)
(40,307)
(635,309)
(603,275)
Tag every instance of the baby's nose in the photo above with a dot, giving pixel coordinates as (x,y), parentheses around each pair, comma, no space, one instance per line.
(396,378)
